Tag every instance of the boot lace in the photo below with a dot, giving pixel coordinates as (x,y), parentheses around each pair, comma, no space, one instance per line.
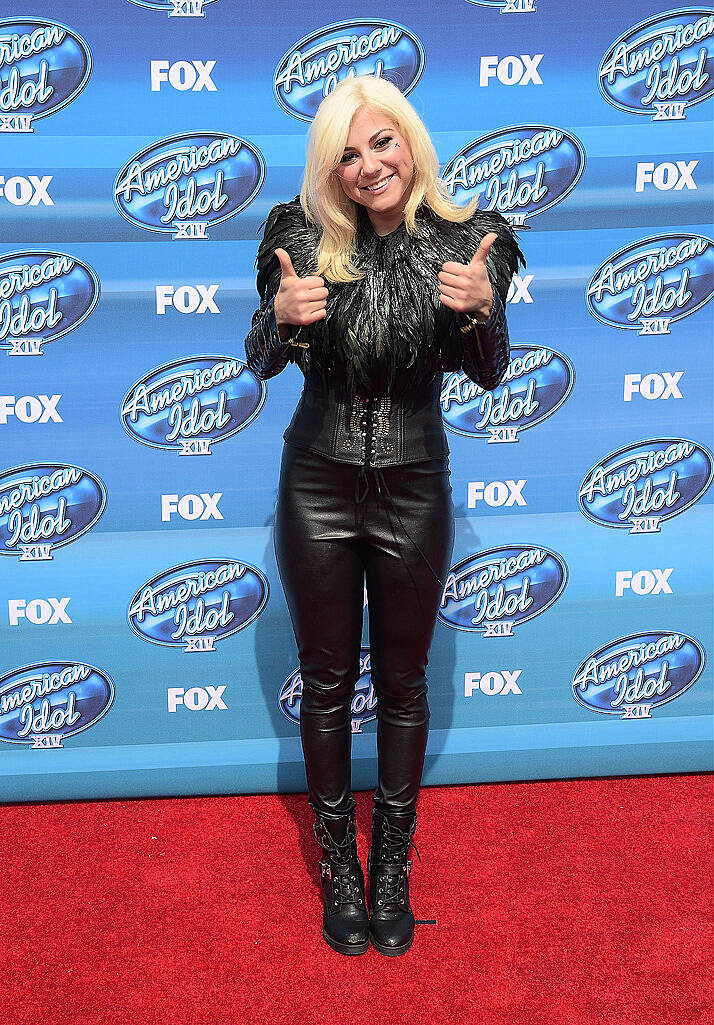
(337,866)
(394,846)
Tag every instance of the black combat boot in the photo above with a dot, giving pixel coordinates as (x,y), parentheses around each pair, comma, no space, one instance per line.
(391,923)
(345,923)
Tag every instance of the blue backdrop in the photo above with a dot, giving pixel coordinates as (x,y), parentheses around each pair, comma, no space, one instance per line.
(146,643)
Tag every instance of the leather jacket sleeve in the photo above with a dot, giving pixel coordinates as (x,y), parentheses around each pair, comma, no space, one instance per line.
(266,353)
(486,352)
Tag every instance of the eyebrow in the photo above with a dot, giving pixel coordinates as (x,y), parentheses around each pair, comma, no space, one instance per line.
(372,137)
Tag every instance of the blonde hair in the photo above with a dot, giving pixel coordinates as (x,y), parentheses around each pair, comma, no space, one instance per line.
(321,196)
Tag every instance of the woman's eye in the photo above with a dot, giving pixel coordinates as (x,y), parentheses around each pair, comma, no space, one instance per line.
(348,156)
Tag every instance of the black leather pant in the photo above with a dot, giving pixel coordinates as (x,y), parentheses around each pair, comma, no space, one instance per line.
(336,524)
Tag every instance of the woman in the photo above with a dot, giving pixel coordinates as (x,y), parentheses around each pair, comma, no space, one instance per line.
(374,283)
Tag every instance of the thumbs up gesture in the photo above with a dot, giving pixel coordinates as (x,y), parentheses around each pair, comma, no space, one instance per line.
(465,287)
(298,301)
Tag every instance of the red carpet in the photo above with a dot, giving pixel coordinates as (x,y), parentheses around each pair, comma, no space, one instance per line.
(579,902)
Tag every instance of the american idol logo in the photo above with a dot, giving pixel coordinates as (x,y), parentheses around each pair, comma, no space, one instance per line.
(187,183)
(496,590)
(650,284)
(43,67)
(364,702)
(642,485)
(316,63)
(190,404)
(176,8)
(508,6)
(536,384)
(44,703)
(44,506)
(42,297)
(632,675)
(519,171)
(194,605)
(661,66)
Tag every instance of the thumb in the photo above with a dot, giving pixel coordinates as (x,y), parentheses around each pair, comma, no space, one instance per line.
(484,248)
(286,266)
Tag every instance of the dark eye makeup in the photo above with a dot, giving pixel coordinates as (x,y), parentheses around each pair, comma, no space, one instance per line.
(348,156)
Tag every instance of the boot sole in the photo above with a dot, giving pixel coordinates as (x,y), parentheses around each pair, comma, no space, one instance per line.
(345,948)
(391,951)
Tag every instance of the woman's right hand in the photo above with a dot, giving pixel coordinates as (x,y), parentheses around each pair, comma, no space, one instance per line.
(298,301)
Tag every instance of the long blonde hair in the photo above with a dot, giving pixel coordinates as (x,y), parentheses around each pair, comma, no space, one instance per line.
(321,196)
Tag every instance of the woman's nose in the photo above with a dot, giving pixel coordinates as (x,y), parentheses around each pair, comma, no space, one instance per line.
(370,164)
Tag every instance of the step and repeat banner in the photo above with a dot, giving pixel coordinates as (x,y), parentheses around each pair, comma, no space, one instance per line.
(146,647)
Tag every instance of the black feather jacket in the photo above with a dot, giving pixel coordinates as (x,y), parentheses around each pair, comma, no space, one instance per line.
(388,333)
(378,356)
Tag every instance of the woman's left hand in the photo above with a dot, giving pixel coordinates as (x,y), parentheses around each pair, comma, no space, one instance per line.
(465,287)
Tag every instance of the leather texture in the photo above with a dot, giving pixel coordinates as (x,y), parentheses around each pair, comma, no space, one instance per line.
(391,922)
(338,527)
(379,430)
(345,922)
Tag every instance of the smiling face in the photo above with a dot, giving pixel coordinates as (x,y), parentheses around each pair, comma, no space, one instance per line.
(376,169)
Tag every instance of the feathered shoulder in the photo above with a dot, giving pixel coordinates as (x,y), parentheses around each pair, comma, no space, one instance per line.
(286,227)
(459,240)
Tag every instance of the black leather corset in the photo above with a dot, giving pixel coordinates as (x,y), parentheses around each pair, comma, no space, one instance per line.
(377,431)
